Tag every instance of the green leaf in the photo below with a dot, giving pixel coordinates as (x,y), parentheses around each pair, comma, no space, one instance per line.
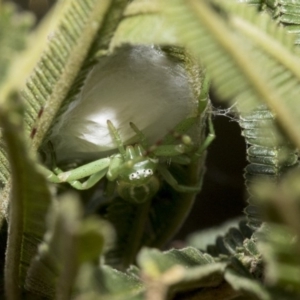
(281,254)
(228,50)
(287,14)
(142,24)
(71,33)
(201,239)
(156,262)
(10,47)
(176,272)
(12,44)
(72,26)
(279,241)
(247,286)
(29,199)
(69,242)
(107,283)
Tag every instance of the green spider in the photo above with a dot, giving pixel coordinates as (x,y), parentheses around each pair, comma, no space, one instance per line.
(129,101)
(134,170)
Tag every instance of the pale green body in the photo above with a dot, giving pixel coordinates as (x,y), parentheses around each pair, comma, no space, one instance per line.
(135,169)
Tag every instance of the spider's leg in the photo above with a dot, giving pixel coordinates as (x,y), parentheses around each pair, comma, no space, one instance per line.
(169,150)
(180,129)
(183,127)
(91,181)
(114,167)
(173,150)
(140,134)
(52,177)
(210,137)
(84,170)
(116,137)
(94,171)
(180,159)
(168,177)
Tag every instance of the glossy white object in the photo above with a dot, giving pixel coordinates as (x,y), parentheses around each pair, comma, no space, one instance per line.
(138,84)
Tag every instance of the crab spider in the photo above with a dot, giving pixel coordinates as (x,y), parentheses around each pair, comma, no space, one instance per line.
(132,170)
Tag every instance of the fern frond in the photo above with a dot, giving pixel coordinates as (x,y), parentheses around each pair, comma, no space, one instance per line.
(248,286)
(168,274)
(281,254)
(142,24)
(70,36)
(76,25)
(4,169)
(69,242)
(279,240)
(10,47)
(229,55)
(30,198)
(287,14)
(270,155)
(108,283)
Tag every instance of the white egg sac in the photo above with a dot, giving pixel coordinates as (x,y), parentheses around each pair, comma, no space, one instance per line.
(139,84)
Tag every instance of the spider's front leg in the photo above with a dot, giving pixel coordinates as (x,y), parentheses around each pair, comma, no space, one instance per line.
(168,177)
(95,171)
(195,154)
(210,137)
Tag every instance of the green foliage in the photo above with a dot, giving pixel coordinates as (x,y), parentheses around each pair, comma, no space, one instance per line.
(10,47)
(55,250)
(69,242)
(11,44)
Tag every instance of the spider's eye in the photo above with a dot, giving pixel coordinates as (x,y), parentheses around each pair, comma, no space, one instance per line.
(148,172)
(135,175)
(132,176)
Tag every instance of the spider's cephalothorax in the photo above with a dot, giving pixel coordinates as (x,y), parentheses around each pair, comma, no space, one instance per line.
(136,180)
